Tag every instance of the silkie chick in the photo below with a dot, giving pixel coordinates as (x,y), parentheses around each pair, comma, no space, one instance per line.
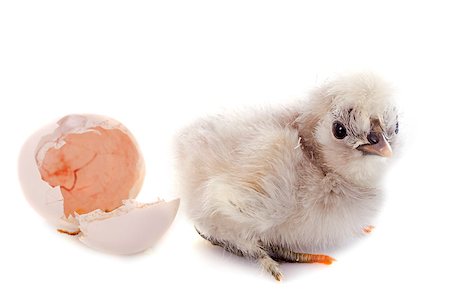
(275,185)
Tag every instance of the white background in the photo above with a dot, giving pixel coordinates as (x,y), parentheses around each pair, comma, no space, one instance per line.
(156,65)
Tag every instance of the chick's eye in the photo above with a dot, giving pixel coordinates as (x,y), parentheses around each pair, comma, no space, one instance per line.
(396,128)
(339,130)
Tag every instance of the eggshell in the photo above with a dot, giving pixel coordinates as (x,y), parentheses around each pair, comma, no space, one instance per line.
(94,161)
(129,229)
(82,173)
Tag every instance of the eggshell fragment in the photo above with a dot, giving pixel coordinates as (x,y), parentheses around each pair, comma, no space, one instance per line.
(129,229)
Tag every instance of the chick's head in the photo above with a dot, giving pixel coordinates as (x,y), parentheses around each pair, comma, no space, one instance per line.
(357,128)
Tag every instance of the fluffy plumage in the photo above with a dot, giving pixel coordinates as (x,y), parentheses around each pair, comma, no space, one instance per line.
(266,184)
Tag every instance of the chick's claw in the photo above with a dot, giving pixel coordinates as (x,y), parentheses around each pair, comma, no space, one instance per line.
(368,229)
(278,276)
(271,266)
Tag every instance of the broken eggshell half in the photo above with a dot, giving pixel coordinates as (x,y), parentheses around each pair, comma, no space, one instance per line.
(129,229)
(82,173)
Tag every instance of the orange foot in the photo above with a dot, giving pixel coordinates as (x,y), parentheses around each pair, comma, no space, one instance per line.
(313,258)
(368,229)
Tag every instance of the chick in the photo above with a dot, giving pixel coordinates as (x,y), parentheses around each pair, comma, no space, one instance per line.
(274,185)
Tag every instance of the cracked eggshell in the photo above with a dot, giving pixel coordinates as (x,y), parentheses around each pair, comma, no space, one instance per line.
(129,229)
(68,167)
(82,173)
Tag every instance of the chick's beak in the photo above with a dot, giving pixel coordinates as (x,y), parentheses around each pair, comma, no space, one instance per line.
(378,145)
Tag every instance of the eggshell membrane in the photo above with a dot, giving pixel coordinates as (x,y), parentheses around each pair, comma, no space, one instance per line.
(47,198)
(95,169)
(130,229)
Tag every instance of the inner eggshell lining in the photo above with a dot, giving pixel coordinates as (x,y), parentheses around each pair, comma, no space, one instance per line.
(96,169)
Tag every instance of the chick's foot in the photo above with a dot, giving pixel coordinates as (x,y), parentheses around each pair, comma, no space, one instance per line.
(249,250)
(285,255)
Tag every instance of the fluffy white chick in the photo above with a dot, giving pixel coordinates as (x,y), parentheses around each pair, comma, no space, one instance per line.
(272,184)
